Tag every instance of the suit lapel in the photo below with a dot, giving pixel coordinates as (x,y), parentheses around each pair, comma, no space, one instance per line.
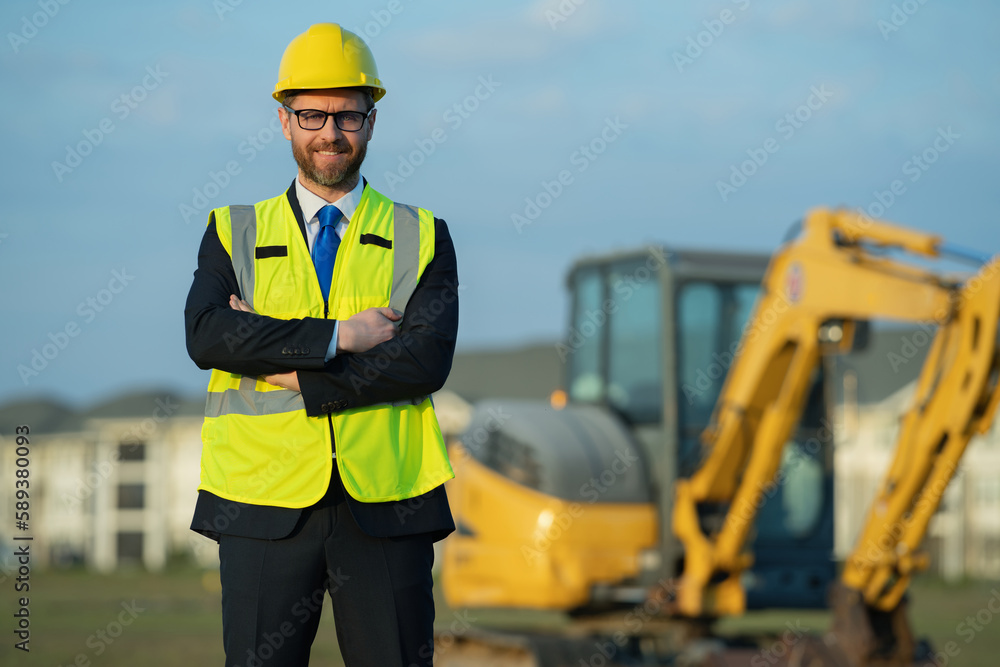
(293,201)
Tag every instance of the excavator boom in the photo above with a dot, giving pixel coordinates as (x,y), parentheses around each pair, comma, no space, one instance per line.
(816,290)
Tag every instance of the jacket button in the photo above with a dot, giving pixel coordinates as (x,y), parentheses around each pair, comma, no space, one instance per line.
(305,350)
(285,350)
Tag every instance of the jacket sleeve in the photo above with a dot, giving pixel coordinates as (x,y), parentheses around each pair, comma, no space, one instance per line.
(414,363)
(245,343)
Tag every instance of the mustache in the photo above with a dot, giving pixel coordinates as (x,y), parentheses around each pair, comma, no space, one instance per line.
(344,147)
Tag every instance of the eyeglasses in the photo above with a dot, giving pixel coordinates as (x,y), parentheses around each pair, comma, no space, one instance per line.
(314,119)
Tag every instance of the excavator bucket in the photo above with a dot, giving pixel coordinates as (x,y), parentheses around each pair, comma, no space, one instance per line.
(863,635)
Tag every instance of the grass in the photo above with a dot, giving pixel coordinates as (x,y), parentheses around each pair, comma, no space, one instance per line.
(938,613)
(180,624)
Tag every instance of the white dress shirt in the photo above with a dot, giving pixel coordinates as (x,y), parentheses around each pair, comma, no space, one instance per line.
(311,203)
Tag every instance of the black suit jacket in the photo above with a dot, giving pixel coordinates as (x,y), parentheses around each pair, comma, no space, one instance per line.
(248,344)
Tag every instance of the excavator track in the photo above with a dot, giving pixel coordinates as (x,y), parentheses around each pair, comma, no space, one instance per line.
(498,648)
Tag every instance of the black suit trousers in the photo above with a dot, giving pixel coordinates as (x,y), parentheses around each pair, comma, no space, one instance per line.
(274,591)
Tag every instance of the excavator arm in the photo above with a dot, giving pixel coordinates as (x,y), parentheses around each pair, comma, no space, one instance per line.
(956,398)
(817,288)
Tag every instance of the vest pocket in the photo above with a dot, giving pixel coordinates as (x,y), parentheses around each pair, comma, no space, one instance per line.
(375,239)
(265,251)
(281,290)
(364,272)
(390,453)
(280,459)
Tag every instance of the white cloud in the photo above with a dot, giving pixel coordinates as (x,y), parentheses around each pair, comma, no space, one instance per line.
(576,18)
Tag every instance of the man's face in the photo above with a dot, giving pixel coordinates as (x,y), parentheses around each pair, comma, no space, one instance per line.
(328,157)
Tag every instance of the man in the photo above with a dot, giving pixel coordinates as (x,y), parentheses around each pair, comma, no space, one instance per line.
(328,315)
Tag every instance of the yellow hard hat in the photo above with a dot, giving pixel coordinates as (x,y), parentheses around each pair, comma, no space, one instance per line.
(327,56)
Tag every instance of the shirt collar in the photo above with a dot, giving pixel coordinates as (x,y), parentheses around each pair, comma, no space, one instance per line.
(311,203)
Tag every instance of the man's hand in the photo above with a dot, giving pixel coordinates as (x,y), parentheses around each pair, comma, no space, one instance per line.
(285,380)
(364,330)
(237,303)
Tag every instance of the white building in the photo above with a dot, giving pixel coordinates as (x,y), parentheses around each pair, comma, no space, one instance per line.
(963,538)
(111,487)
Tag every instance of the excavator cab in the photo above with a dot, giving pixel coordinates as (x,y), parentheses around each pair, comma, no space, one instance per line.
(666,327)
(652,335)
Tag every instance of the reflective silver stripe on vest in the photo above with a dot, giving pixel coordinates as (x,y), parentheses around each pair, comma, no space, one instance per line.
(245,401)
(249,402)
(405,268)
(244,230)
(405,255)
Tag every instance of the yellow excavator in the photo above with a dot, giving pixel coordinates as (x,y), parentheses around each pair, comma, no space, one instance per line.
(686,473)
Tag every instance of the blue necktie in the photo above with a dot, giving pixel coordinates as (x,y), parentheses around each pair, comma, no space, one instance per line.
(325,246)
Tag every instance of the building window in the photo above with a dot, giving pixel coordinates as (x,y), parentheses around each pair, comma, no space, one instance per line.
(990,557)
(987,492)
(132,451)
(129,547)
(131,496)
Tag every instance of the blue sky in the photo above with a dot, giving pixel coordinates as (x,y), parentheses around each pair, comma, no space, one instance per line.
(682,93)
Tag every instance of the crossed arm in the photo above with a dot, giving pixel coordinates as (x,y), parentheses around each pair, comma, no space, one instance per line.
(375,362)
(360,333)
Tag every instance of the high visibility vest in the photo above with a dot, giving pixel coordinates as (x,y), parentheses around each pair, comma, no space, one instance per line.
(258,444)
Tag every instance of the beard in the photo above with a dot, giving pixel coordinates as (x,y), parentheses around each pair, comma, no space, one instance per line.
(331,175)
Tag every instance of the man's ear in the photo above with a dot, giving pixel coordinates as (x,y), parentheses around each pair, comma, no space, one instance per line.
(371,124)
(285,117)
